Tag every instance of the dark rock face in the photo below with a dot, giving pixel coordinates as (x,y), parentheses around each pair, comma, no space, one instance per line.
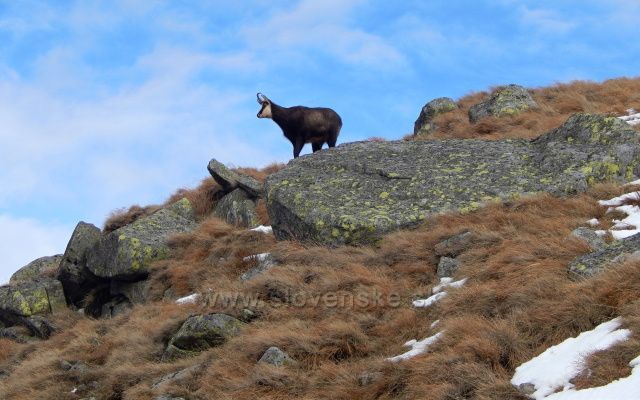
(505,101)
(230,180)
(126,252)
(591,264)
(447,267)
(76,279)
(26,299)
(35,268)
(237,209)
(358,191)
(424,124)
(201,332)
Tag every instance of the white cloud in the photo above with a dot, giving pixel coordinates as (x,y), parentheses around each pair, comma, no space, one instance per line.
(324,27)
(22,240)
(547,21)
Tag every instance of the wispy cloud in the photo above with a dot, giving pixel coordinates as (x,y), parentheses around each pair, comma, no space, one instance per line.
(546,20)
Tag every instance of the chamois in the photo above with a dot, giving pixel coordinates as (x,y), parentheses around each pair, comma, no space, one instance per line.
(303,124)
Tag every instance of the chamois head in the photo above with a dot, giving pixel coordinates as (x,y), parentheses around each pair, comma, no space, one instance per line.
(265,111)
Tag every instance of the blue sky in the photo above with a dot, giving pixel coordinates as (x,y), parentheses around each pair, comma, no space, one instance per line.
(105,104)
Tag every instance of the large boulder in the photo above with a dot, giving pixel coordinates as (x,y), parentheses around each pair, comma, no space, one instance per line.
(504,101)
(201,332)
(43,296)
(237,209)
(619,251)
(35,268)
(358,191)
(424,124)
(126,252)
(230,180)
(76,279)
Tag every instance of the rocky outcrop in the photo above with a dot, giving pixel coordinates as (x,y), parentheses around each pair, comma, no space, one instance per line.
(504,101)
(36,268)
(424,124)
(591,264)
(590,237)
(76,279)
(201,332)
(126,252)
(238,209)
(23,307)
(230,180)
(358,191)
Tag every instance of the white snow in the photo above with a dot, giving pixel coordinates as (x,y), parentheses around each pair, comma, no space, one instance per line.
(448,282)
(624,388)
(192,298)
(263,229)
(429,301)
(434,323)
(438,293)
(636,182)
(417,347)
(259,257)
(628,226)
(593,222)
(633,117)
(555,367)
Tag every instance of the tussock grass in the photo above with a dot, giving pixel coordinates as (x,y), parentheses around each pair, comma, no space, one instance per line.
(556,104)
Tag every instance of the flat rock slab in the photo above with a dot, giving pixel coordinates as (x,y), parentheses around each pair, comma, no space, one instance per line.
(230,180)
(355,193)
(127,252)
(593,263)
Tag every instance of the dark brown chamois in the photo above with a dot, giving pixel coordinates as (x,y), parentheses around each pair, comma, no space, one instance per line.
(303,124)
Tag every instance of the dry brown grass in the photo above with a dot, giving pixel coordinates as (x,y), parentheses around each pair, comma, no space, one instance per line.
(517,302)
(556,104)
(203,199)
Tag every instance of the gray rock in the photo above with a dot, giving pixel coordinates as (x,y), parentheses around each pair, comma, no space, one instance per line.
(275,356)
(527,388)
(455,245)
(168,397)
(265,262)
(126,252)
(359,191)
(76,279)
(237,209)
(176,376)
(504,101)
(230,180)
(424,124)
(18,333)
(447,267)
(201,332)
(25,299)
(590,237)
(368,378)
(35,268)
(39,326)
(76,367)
(617,252)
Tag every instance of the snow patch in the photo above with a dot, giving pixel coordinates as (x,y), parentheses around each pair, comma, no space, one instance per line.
(555,367)
(263,229)
(192,298)
(429,301)
(628,226)
(259,257)
(593,222)
(417,347)
(448,282)
(632,117)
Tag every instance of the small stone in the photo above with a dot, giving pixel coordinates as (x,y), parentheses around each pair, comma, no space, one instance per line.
(590,237)
(175,376)
(275,356)
(424,124)
(527,388)
(265,262)
(237,209)
(504,101)
(455,245)
(368,378)
(447,267)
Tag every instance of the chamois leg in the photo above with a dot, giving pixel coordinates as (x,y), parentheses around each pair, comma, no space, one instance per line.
(316,146)
(332,142)
(297,148)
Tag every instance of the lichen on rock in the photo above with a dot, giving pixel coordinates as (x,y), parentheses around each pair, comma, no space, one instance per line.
(504,101)
(355,193)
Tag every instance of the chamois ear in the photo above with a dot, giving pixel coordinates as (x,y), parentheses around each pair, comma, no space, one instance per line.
(262,98)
